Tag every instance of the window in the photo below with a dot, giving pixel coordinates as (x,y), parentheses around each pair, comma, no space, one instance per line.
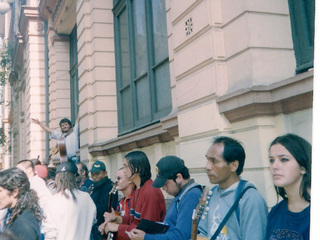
(74,79)
(302,15)
(142,63)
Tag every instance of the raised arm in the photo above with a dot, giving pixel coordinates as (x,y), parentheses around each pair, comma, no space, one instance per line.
(43,126)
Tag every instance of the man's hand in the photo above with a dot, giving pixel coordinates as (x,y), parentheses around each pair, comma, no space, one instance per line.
(110,217)
(43,126)
(35,121)
(101,228)
(136,234)
(111,227)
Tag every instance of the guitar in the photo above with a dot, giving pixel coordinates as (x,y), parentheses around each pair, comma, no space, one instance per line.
(111,235)
(62,149)
(197,212)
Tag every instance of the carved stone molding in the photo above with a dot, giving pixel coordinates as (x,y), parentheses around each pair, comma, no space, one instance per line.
(161,132)
(287,96)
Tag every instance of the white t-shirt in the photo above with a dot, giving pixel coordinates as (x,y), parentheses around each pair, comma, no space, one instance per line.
(39,185)
(72,140)
(67,219)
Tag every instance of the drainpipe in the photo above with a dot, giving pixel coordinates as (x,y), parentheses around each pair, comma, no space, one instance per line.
(46,69)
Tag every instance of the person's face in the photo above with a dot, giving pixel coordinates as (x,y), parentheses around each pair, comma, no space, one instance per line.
(285,170)
(98,176)
(81,173)
(171,187)
(218,170)
(123,182)
(126,169)
(65,127)
(7,199)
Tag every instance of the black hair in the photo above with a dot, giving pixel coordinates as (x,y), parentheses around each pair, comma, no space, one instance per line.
(183,171)
(35,161)
(233,151)
(138,162)
(301,150)
(84,168)
(65,120)
(51,173)
(27,199)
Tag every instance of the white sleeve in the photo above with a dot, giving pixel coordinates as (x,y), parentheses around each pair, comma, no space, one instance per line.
(49,228)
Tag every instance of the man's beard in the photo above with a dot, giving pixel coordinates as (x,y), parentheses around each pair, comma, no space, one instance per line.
(65,131)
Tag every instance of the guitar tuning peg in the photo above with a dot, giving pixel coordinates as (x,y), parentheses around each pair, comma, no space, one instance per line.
(207,209)
(210,193)
(203,217)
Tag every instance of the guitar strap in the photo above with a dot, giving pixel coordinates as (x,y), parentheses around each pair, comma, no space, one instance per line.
(233,207)
(192,185)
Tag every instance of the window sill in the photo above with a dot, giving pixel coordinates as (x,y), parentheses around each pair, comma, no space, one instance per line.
(164,131)
(287,96)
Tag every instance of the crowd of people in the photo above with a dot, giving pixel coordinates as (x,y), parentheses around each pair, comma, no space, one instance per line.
(73,202)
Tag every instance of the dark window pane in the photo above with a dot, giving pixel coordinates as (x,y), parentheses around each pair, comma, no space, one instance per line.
(127,117)
(143,98)
(124,46)
(159,30)
(163,89)
(140,38)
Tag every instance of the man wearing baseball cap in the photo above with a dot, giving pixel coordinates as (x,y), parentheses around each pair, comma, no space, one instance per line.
(174,178)
(70,213)
(100,194)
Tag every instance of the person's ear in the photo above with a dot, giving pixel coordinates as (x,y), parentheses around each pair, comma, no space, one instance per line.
(234,165)
(303,171)
(15,192)
(179,178)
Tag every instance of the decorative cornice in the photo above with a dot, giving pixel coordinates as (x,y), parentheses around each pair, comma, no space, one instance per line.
(47,7)
(287,96)
(57,10)
(28,13)
(161,132)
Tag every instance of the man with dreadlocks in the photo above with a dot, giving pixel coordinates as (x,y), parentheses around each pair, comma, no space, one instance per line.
(23,213)
(70,213)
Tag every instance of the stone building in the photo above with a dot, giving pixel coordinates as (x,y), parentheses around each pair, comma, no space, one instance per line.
(162,76)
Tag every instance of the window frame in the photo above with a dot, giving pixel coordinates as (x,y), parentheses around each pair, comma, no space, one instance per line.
(153,114)
(74,78)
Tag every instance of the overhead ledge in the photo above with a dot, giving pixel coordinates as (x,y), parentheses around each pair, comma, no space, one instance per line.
(164,131)
(287,96)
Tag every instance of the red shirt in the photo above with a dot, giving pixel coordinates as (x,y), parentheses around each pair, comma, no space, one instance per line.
(148,203)
(124,207)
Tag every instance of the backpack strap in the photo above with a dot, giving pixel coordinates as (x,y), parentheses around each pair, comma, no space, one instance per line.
(233,207)
(192,185)
(240,188)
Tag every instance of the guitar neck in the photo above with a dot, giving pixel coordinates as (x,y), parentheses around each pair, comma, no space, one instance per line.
(194,229)
(197,213)
(110,203)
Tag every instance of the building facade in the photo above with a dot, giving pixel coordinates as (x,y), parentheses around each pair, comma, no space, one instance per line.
(161,76)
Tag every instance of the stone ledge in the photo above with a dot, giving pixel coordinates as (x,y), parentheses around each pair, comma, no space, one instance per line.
(164,131)
(287,96)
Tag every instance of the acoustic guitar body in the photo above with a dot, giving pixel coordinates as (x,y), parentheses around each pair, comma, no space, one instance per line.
(62,149)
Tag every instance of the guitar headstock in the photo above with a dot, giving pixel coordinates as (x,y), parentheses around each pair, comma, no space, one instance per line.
(114,188)
(197,212)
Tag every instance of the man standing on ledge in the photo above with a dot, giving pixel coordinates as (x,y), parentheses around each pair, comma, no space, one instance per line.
(71,135)
(174,178)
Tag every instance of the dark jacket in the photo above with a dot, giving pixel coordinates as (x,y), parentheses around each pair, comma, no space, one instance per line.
(100,196)
(25,227)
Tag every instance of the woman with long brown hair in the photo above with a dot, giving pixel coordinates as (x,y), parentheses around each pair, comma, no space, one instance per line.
(23,216)
(290,166)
